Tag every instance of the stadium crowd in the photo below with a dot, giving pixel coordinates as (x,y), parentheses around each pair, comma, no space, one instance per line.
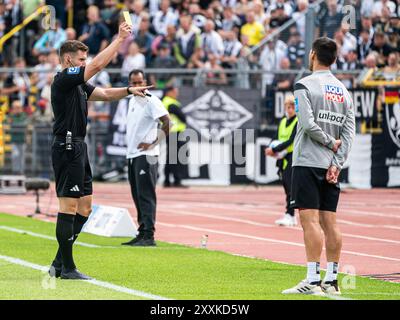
(191,34)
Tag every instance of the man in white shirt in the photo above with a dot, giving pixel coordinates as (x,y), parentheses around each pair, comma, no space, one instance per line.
(164,17)
(212,41)
(143,140)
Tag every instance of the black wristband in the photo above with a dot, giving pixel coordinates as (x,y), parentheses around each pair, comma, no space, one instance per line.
(127,89)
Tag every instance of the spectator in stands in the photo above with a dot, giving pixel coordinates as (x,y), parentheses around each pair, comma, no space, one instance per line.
(214,78)
(366,24)
(232,48)
(20,79)
(51,40)
(371,61)
(284,81)
(212,41)
(252,29)
(259,12)
(144,38)
(17,118)
(287,6)
(44,112)
(393,66)
(110,15)
(188,41)
(61,6)
(350,63)
(300,17)
(296,50)
(169,39)
(349,40)
(270,59)
(214,15)
(134,60)
(384,20)
(393,32)
(230,21)
(116,63)
(366,8)
(198,18)
(40,67)
(331,21)
(164,60)
(54,61)
(95,33)
(5,88)
(71,33)
(381,46)
(164,17)
(379,6)
(278,20)
(13,16)
(363,45)
(135,7)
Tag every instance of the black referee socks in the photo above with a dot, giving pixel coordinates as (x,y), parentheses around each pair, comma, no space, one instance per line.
(65,238)
(78,224)
(79,221)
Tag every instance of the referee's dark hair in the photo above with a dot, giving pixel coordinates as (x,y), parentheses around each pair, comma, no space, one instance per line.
(72,46)
(326,50)
(136,71)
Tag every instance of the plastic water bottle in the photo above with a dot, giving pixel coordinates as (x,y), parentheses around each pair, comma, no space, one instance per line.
(204,240)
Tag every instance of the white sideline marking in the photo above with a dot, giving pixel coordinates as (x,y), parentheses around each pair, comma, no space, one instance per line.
(269,240)
(227,218)
(43,236)
(95,282)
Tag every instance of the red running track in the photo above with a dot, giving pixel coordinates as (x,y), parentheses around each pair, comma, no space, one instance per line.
(240,220)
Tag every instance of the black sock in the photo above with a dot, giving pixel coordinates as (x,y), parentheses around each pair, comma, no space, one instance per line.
(65,238)
(79,221)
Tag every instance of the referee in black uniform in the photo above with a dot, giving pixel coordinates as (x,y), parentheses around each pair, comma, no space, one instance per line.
(73,176)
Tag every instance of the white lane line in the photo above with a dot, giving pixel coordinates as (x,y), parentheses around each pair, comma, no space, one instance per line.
(364,225)
(371,214)
(239,235)
(43,236)
(227,218)
(95,282)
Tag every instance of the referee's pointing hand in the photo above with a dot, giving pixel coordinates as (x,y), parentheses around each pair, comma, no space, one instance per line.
(139,91)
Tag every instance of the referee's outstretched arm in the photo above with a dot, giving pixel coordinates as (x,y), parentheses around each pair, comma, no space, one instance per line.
(104,57)
(102,60)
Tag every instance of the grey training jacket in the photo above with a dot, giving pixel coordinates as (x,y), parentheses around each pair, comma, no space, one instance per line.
(326,112)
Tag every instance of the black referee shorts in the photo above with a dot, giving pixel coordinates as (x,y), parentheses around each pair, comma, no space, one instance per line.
(71,169)
(310,190)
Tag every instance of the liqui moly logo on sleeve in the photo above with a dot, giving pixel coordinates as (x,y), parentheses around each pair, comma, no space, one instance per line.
(334,94)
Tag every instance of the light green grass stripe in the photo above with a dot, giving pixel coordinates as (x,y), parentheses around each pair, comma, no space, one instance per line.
(95,282)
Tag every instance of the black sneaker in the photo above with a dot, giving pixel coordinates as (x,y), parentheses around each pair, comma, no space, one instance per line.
(331,287)
(55,269)
(133,241)
(149,242)
(74,275)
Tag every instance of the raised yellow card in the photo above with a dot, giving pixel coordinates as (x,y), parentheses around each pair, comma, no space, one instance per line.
(127,17)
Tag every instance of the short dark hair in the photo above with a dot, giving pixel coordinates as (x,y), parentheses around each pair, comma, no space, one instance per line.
(326,50)
(72,46)
(137,71)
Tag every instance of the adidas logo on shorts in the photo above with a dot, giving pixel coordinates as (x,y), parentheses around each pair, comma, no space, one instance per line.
(74,188)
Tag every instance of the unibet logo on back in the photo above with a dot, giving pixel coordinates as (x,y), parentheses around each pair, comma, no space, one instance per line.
(331,117)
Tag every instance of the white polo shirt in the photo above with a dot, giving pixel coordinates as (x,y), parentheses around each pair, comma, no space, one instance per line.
(142,124)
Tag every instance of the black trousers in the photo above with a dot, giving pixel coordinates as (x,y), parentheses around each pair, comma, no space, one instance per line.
(142,172)
(174,165)
(286,176)
(287,185)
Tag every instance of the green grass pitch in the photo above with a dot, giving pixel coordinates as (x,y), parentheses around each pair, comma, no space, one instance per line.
(168,270)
